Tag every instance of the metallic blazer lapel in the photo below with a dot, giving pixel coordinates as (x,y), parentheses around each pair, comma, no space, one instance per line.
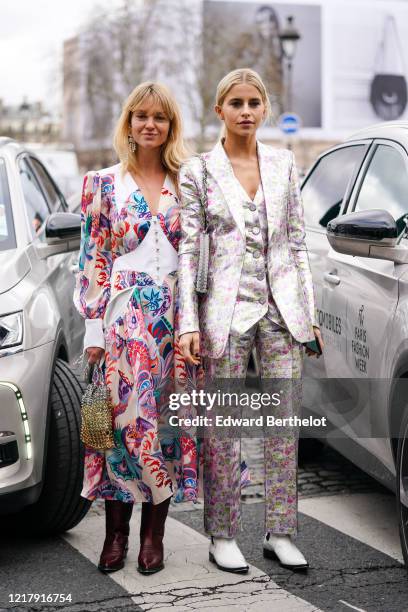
(220,169)
(269,178)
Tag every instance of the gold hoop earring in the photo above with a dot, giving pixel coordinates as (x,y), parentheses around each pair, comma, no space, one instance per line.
(132,144)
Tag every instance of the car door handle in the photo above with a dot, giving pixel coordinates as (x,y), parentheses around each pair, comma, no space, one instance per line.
(331,278)
(74,267)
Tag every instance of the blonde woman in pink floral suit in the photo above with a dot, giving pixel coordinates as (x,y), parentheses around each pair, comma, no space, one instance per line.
(126,290)
(260,294)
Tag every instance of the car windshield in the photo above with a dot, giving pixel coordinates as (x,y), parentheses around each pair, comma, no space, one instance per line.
(7,235)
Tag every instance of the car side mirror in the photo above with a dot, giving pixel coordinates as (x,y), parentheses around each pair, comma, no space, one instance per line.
(62,226)
(368,233)
(62,234)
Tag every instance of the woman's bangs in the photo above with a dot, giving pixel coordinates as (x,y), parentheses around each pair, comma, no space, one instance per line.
(152,97)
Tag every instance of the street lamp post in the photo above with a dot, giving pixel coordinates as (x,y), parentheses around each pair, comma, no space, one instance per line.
(289,38)
(25,114)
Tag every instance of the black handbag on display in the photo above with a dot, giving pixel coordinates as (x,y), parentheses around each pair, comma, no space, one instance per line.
(388,93)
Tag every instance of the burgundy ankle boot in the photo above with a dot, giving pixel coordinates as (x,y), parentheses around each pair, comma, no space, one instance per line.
(117,517)
(151,537)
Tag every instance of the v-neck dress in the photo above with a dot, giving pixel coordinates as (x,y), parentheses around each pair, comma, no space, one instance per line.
(126,290)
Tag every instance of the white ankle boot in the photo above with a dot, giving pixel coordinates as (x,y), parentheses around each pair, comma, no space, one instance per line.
(281,547)
(227,556)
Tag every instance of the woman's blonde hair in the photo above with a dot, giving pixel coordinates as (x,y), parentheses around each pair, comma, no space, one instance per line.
(237,77)
(174,151)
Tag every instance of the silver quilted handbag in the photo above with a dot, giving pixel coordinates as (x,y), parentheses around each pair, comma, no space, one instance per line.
(96,413)
(203,261)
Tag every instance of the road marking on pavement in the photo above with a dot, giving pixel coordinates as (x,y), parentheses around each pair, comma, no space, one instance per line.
(350,606)
(370,518)
(189,580)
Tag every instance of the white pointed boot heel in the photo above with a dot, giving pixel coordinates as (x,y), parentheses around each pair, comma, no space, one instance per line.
(227,556)
(282,548)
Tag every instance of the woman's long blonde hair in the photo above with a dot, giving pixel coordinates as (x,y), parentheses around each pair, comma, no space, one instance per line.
(174,151)
(237,77)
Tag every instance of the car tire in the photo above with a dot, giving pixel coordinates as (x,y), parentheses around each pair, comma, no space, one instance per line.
(60,506)
(402,486)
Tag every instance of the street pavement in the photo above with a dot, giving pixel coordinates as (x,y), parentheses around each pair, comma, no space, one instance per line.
(325,472)
(349,536)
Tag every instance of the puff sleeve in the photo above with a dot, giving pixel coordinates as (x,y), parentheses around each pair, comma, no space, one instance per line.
(93,281)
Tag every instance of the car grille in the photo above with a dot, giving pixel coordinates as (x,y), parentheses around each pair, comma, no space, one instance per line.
(8,453)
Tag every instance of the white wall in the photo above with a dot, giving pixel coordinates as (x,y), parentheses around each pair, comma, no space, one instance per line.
(352,43)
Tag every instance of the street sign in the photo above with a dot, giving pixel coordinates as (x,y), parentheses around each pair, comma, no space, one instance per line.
(289,123)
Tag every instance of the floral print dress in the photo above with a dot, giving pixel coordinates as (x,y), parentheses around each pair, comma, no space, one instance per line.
(126,286)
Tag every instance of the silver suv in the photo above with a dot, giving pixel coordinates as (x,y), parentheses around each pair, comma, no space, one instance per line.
(41,458)
(356,210)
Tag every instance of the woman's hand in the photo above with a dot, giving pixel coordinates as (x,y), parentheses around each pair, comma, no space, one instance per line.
(190,347)
(95,354)
(319,340)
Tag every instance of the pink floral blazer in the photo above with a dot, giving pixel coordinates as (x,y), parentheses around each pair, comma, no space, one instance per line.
(287,258)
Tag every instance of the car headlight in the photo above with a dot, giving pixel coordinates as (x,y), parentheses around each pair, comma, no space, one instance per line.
(11,330)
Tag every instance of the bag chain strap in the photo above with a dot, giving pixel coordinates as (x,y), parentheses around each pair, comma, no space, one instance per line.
(389,23)
(205,192)
(89,374)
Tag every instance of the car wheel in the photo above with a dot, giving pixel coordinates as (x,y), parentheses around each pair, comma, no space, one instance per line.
(60,506)
(402,486)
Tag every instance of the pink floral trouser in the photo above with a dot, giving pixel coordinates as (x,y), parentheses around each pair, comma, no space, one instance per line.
(280,357)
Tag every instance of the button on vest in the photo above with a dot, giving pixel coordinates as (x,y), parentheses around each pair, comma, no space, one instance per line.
(254,299)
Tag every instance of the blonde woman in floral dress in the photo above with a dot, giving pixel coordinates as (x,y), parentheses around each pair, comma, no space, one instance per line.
(126,292)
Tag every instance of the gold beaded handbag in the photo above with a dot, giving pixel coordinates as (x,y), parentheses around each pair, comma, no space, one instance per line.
(96,413)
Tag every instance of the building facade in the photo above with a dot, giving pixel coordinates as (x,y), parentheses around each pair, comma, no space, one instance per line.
(29,122)
(338,86)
